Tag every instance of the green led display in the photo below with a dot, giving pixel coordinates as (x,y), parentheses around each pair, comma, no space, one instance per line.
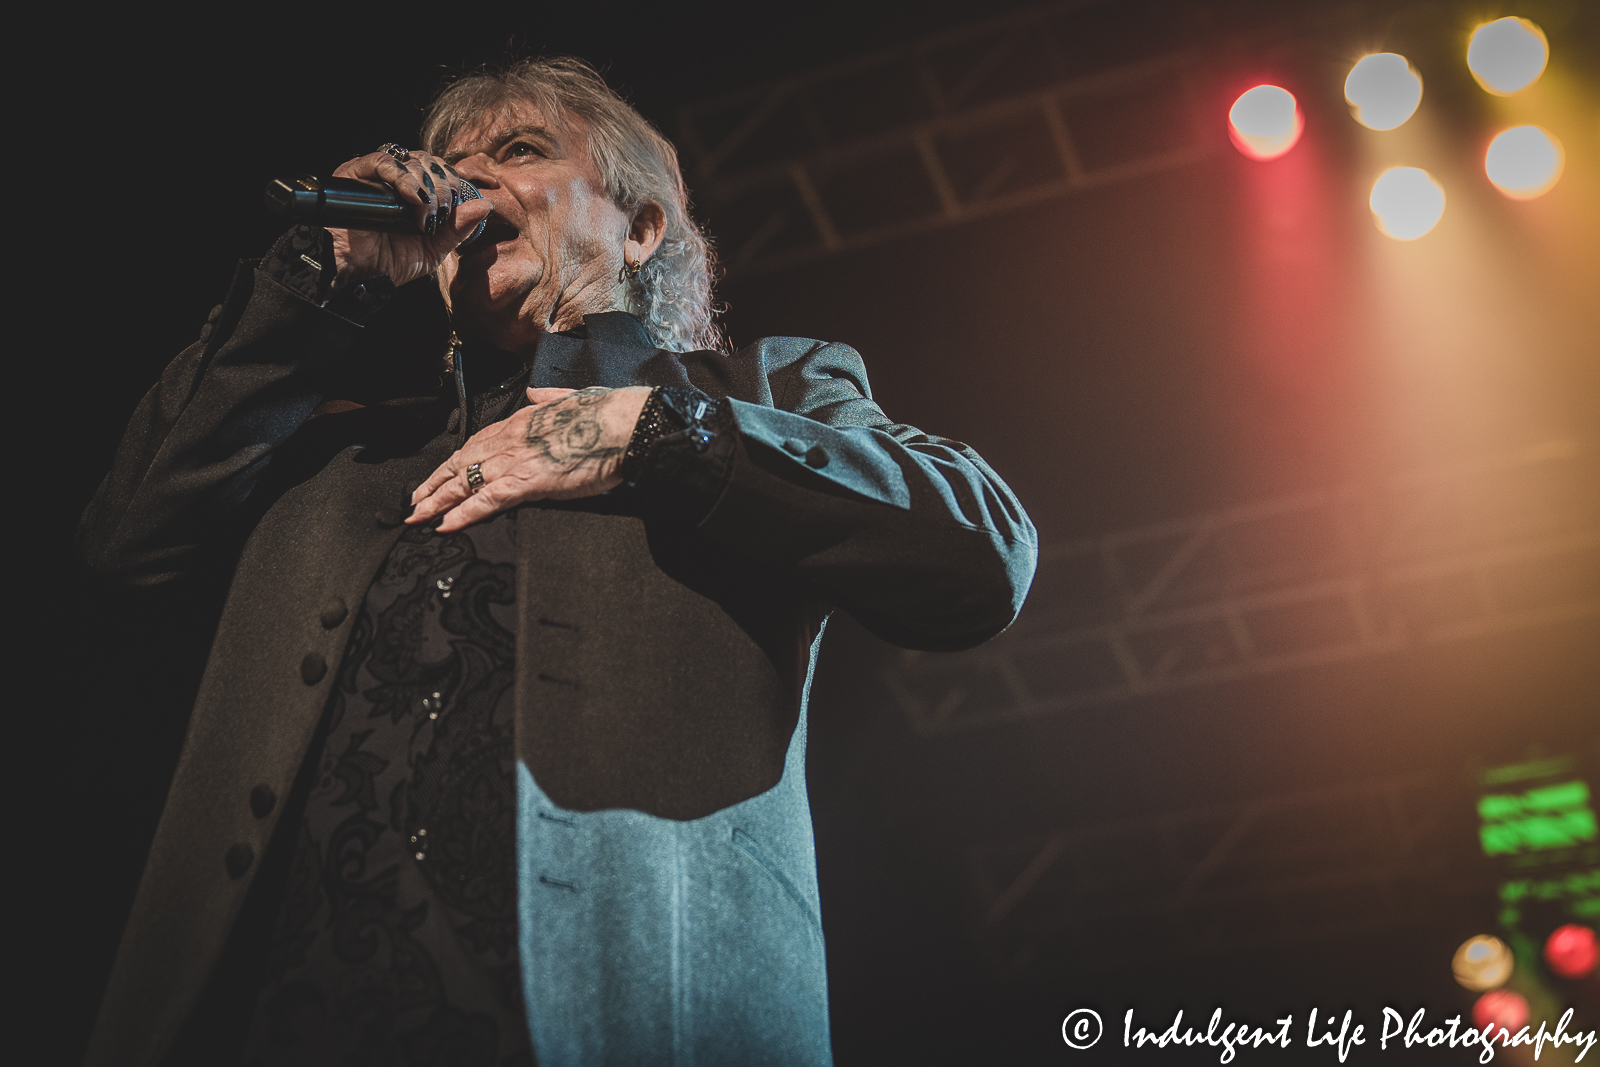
(1549,817)
(1549,798)
(1576,884)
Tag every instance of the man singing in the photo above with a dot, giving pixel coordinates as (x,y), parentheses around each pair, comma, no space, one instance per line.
(499,754)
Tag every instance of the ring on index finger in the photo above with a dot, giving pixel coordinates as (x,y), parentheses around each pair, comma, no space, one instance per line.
(398,154)
(475,477)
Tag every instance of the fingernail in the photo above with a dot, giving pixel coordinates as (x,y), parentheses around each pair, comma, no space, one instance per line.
(423,193)
(431,224)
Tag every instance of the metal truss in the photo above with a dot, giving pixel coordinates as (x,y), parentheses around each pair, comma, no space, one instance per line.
(948,129)
(1286,868)
(1311,579)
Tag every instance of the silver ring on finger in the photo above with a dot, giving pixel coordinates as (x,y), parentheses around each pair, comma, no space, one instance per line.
(395,152)
(475,477)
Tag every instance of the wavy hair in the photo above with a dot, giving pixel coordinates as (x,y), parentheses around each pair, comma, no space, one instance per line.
(671,294)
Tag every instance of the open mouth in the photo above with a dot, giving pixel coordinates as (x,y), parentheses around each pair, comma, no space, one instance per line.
(493,234)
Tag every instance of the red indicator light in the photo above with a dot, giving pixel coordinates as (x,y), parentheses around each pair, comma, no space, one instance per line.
(1500,1008)
(1571,951)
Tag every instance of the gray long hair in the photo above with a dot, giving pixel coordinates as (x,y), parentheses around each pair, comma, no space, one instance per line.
(672,293)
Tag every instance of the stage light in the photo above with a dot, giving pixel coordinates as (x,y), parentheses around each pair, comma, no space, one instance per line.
(1265,122)
(1524,162)
(1501,1008)
(1482,962)
(1507,55)
(1407,202)
(1383,90)
(1571,951)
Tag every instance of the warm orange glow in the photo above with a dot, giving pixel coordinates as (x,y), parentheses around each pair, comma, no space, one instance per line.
(1407,202)
(1383,91)
(1507,55)
(1482,962)
(1265,122)
(1524,162)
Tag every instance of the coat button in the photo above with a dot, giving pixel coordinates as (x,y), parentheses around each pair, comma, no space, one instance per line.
(389,518)
(312,668)
(817,457)
(793,447)
(333,613)
(239,859)
(263,800)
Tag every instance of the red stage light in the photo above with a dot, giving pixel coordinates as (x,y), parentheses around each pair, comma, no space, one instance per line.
(1265,122)
(1502,1008)
(1571,951)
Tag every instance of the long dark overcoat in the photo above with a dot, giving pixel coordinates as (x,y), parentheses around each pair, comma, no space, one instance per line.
(667,880)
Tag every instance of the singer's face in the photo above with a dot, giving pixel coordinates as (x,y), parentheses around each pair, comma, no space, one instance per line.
(551,250)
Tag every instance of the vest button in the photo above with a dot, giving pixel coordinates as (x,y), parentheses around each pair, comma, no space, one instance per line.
(263,800)
(239,859)
(817,456)
(333,613)
(388,518)
(312,668)
(794,448)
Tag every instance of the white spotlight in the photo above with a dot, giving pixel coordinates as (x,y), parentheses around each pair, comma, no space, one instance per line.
(1524,162)
(1507,55)
(1383,90)
(1407,202)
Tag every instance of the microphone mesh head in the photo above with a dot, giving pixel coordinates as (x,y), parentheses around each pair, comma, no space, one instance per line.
(470,192)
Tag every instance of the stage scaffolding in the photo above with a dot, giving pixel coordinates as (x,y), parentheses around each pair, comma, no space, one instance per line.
(1285,868)
(1315,578)
(947,129)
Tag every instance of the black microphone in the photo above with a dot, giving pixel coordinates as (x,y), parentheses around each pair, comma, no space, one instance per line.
(349,204)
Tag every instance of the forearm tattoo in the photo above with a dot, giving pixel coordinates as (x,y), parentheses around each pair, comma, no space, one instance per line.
(568,433)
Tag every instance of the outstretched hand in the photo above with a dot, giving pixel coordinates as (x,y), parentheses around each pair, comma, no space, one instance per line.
(569,444)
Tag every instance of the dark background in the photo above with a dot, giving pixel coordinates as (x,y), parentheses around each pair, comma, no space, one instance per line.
(1095,349)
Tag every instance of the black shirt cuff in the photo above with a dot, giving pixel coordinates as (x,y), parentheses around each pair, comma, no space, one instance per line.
(682,452)
(302,262)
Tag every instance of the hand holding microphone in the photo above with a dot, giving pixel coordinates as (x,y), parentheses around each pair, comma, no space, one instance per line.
(404,227)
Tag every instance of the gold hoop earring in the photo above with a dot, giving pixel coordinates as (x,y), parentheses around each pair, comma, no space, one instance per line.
(629,270)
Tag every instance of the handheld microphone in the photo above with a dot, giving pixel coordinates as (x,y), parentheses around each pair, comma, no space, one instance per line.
(349,204)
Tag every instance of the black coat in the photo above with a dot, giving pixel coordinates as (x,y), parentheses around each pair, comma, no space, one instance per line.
(662,663)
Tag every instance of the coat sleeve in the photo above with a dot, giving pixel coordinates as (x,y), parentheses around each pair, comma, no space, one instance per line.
(200,438)
(913,534)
